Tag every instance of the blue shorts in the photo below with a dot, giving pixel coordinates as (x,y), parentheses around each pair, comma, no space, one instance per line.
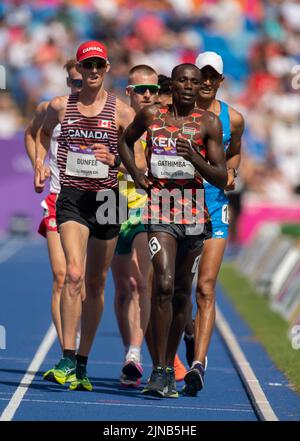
(217,205)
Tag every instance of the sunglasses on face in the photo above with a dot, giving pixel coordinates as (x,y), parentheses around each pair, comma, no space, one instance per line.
(75,83)
(141,89)
(91,64)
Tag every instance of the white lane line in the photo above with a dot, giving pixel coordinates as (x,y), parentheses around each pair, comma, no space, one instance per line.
(135,405)
(14,403)
(257,395)
(10,248)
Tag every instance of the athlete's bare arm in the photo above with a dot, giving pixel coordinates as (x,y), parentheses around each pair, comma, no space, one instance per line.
(124,116)
(215,171)
(233,153)
(127,141)
(32,129)
(54,115)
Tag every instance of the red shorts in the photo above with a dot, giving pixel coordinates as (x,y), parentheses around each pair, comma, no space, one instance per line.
(49,219)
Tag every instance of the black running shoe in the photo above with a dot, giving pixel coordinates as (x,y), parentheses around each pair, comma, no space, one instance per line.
(171,391)
(189,349)
(157,384)
(194,380)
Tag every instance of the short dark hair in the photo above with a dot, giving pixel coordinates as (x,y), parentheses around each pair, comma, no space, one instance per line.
(70,64)
(141,68)
(165,85)
(176,68)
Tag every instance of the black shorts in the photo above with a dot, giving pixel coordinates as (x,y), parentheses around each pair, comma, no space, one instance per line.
(189,237)
(81,206)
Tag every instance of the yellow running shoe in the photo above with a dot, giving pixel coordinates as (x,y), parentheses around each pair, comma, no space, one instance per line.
(81,381)
(62,372)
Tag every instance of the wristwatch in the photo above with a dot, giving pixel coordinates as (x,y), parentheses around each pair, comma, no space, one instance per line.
(118,161)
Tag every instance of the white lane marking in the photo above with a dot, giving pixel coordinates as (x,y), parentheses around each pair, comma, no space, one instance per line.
(257,395)
(103,403)
(10,248)
(15,401)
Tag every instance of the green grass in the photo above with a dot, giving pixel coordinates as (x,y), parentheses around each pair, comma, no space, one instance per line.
(268,327)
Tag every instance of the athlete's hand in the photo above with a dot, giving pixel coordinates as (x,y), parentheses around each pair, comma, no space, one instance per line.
(230,180)
(103,154)
(184,147)
(41,174)
(141,180)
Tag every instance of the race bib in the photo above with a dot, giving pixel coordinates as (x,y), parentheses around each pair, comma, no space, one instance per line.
(154,246)
(171,167)
(85,165)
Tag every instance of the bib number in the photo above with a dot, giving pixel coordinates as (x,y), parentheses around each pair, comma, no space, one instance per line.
(85,166)
(154,246)
(171,167)
(225,217)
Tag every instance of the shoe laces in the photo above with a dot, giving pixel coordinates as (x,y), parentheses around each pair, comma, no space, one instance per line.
(65,363)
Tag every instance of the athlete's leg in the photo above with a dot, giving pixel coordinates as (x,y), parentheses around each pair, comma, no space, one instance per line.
(162,295)
(74,238)
(99,256)
(123,293)
(58,266)
(132,304)
(185,269)
(140,267)
(132,300)
(189,328)
(209,267)
(149,333)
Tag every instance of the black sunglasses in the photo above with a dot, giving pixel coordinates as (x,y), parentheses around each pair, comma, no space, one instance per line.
(75,83)
(141,89)
(91,64)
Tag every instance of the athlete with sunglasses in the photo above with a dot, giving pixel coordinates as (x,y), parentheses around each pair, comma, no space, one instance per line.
(88,162)
(131,263)
(48,226)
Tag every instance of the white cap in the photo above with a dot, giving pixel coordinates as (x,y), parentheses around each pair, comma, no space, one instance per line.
(210,59)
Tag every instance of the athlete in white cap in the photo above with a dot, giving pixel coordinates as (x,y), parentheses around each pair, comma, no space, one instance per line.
(197,342)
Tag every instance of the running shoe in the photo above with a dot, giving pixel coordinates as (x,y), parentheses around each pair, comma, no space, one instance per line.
(82,381)
(132,369)
(157,384)
(194,380)
(180,370)
(189,349)
(62,372)
(171,391)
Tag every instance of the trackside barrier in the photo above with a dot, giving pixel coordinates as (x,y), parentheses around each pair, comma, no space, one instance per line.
(271,262)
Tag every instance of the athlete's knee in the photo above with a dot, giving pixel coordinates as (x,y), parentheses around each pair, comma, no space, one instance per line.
(142,286)
(74,278)
(122,292)
(181,299)
(58,279)
(164,287)
(205,289)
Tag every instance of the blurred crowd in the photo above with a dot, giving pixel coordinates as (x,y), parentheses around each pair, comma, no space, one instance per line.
(258,40)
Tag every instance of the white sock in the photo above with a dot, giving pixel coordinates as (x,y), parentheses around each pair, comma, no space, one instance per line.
(126,349)
(196,362)
(134,352)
